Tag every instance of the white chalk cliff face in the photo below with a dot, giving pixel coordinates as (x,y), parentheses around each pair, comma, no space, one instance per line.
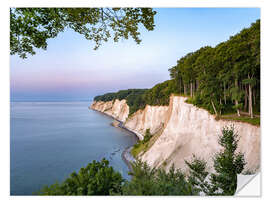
(151,117)
(187,130)
(117,109)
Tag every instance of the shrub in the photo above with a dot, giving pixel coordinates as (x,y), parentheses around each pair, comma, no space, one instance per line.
(97,178)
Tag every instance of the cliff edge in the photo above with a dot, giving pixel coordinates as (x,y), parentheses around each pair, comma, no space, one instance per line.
(186,130)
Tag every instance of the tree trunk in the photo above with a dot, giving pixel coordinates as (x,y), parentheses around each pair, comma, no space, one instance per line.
(214,107)
(236,100)
(224,93)
(236,104)
(185,89)
(191,89)
(220,103)
(246,97)
(180,86)
(254,96)
(250,110)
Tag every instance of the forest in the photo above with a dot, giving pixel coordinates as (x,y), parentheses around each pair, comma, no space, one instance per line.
(224,79)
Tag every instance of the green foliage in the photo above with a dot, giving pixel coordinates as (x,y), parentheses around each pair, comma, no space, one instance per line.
(221,75)
(215,78)
(122,94)
(148,181)
(142,145)
(139,98)
(134,98)
(147,136)
(136,101)
(159,95)
(227,163)
(253,121)
(197,175)
(97,178)
(31,27)
(137,148)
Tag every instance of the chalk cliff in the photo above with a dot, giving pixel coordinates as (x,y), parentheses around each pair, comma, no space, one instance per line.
(186,130)
(117,109)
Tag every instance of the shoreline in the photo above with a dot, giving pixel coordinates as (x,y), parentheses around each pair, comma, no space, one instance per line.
(125,155)
(128,158)
(120,124)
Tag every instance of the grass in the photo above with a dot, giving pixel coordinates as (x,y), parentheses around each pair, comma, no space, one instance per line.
(253,121)
(229,114)
(141,147)
(137,149)
(180,94)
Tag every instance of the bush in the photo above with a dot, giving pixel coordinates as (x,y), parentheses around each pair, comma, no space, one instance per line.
(148,181)
(97,178)
(147,136)
(142,144)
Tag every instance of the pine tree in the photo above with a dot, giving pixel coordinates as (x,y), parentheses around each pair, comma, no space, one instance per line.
(227,163)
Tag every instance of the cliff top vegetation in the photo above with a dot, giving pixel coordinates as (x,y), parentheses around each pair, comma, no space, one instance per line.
(224,79)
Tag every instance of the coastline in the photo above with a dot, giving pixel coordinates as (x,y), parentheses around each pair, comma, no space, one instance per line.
(125,155)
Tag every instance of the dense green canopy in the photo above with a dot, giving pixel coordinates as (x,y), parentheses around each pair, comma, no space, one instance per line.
(138,98)
(31,27)
(224,77)
(134,98)
(221,79)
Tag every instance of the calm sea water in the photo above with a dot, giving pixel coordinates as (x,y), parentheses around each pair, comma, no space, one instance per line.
(49,140)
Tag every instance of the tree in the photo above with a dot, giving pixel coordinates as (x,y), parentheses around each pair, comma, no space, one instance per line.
(31,27)
(97,178)
(224,77)
(227,164)
(197,175)
(151,181)
(220,79)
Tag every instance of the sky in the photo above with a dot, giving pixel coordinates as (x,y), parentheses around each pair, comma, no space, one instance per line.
(71,70)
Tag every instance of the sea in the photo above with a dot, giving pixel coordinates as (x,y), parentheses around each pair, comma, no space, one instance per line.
(50,140)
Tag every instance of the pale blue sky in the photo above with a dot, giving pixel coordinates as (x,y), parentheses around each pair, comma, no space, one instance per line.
(70,69)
